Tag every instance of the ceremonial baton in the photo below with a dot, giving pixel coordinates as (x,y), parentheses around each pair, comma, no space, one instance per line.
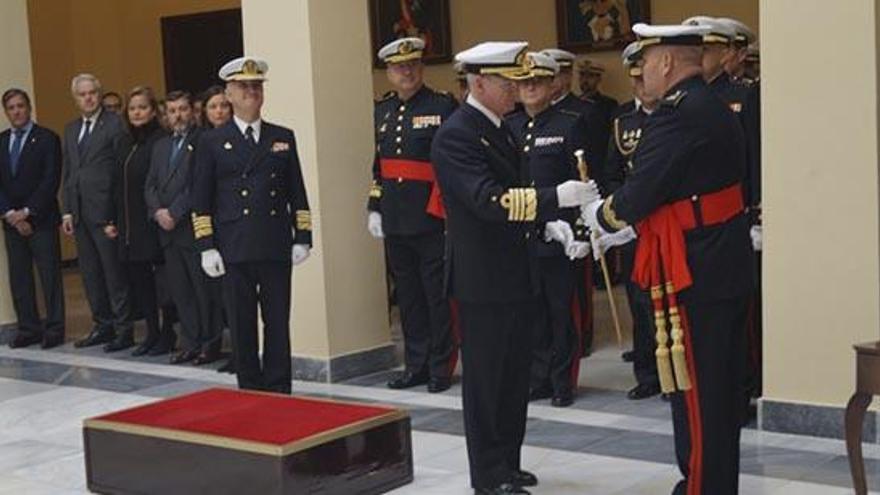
(585,176)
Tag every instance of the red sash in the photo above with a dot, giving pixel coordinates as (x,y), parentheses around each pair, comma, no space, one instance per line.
(661,243)
(398,169)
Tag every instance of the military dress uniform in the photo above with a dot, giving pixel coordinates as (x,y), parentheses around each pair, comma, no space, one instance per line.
(626,132)
(490,269)
(684,199)
(405,192)
(548,142)
(250,204)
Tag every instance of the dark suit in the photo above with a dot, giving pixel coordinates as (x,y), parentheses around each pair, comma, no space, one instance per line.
(88,195)
(490,269)
(249,203)
(169,186)
(34,186)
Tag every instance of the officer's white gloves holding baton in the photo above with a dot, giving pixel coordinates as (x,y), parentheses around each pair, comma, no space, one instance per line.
(576,193)
(299,253)
(561,232)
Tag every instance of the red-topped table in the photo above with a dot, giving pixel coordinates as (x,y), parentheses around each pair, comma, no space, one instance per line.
(232,441)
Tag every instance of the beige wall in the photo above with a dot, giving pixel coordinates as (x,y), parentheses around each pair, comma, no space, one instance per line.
(821,272)
(119,41)
(16,73)
(319,84)
(535,21)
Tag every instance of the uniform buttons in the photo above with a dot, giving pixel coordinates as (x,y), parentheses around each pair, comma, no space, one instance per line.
(273,213)
(399,151)
(528,235)
(399,180)
(244,176)
(528,136)
(398,139)
(694,198)
(273,193)
(399,128)
(494,199)
(273,174)
(531,124)
(378,148)
(400,118)
(402,108)
(246,211)
(244,193)
(526,148)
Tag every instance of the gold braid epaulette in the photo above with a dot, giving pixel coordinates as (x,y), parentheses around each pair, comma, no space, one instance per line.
(202,226)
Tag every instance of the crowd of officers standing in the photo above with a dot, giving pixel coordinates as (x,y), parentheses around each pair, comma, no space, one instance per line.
(489,221)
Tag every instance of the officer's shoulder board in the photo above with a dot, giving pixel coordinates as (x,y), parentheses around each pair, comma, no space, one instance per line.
(387,96)
(570,113)
(674,99)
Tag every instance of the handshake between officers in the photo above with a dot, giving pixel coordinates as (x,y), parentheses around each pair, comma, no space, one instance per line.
(252,223)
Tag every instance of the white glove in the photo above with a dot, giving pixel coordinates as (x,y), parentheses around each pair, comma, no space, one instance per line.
(577,250)
(576,193)
(601,243)
(374,224)
(560,231)
(757,233)
(212,263)
(299,253)
(590,216)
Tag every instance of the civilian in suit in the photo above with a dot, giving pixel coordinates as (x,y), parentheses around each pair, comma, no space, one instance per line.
(30,171)
(89,148)
(169,205)
(135,235)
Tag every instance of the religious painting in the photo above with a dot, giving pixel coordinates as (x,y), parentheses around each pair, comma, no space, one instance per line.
(596,25)
(425,19)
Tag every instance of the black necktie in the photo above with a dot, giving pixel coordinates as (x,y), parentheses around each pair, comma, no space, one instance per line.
(176,141)
(15,152)
(249,137)
(85,135)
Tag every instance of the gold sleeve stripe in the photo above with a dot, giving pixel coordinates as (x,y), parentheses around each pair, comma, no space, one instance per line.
(375,190)
(303,220)
(611,217)
(521,204)
(202,226)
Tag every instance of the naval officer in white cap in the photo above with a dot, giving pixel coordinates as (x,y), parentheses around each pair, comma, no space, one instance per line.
(252,223)
(492,214)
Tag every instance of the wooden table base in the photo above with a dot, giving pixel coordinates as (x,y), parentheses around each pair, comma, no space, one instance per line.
(867,385)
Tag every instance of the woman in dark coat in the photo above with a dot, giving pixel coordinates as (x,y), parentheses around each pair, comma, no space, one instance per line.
(138,240)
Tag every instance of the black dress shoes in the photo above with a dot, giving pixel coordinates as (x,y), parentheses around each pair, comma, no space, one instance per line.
(97,337)
(540,393)
(185,356)
(437,385)
(51,340)
(502,489)
(628,356)
(408,379)
(122,341)
(523,478)
(562,400)
(643,391)
(22,340)
(229,367)
(164,346)
(207,356)
(145,346)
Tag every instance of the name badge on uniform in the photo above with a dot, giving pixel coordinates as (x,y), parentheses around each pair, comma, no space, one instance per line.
(425,121)
(549,140)
(736,107)
(280,146)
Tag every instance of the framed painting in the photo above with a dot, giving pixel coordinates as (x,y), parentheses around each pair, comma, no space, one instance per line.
(425,19)
(596,25)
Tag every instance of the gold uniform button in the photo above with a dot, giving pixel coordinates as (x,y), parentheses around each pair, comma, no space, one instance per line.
(244,193)
(398,139)
(402,108)
(531,124)
(246,211)
(273,213)
(528,136)
(399,180)
(399,151)
(400,118)
(399,128)
(526,148)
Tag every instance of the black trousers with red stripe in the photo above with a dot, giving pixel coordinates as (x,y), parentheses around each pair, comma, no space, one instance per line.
(707,418)
(417,267)
(557,342)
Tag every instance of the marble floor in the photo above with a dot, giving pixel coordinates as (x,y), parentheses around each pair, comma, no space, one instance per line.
(604,444)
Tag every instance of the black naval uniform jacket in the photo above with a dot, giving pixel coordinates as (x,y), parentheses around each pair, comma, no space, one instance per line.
(690,147)
(742,98)
(547,143)
(404,131)
(626,131)
(491,212)
(247,202)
